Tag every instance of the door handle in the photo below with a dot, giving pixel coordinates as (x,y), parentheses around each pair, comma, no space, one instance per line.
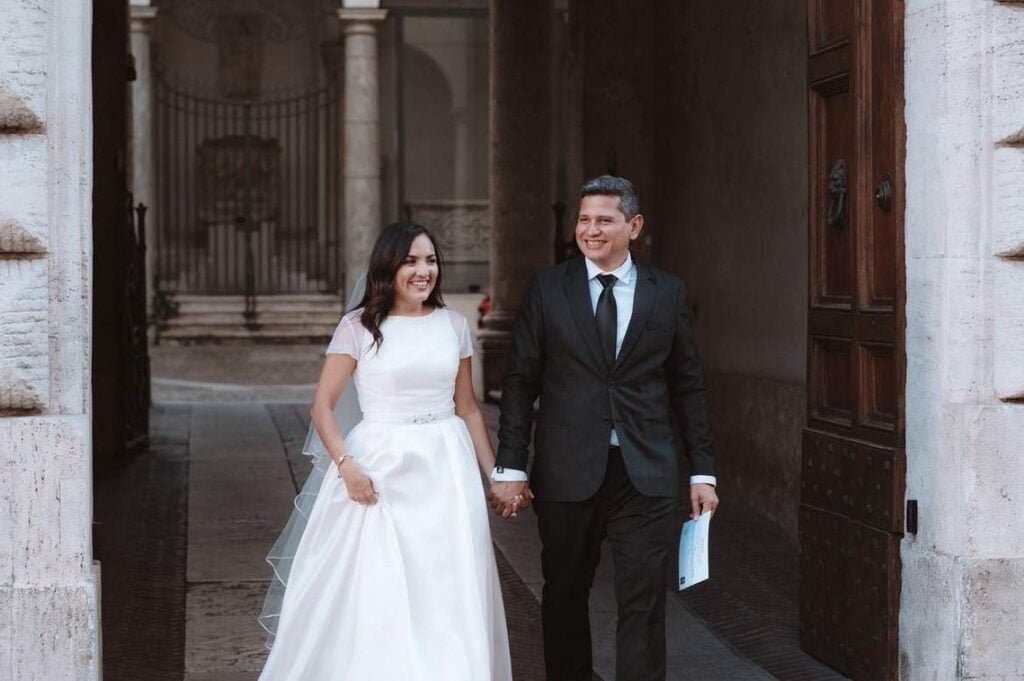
(837,190)
(883,193)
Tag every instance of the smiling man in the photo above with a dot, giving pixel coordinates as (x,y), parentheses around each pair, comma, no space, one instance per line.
(607,345)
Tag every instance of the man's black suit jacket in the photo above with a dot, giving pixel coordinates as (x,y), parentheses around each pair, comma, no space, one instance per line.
(655,387)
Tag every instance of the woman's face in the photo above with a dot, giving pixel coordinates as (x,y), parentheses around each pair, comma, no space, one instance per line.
(417,275)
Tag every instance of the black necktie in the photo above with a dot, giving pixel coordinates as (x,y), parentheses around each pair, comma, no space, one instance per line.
(607,316)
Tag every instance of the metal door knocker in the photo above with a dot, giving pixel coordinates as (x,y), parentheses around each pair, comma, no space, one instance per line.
(837,194)
(883,193)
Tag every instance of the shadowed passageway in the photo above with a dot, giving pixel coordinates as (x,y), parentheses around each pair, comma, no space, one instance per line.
(182,531)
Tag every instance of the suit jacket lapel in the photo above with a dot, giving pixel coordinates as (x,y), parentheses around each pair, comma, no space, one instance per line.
(577,291)
(643,303)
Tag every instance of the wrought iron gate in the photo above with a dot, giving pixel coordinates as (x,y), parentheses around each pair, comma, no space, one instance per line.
(249,193)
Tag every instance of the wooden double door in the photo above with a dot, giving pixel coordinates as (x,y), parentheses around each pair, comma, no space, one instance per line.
(853,475)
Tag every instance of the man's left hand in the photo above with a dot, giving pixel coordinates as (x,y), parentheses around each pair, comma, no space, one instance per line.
(703,499)
(508,498)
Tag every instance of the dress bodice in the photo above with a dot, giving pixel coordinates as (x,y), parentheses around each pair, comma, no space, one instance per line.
(413,370)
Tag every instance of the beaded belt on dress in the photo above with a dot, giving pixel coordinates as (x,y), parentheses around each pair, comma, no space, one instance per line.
(417,419)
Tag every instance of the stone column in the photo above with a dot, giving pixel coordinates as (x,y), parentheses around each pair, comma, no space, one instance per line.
(522,223)
(362,138)
(331,155)
(143,180)
(461,182)
(49,583)
(961,611)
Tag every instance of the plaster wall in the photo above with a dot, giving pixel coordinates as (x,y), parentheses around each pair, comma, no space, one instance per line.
(49,619)
(445,66)
(730,217)
(961,612)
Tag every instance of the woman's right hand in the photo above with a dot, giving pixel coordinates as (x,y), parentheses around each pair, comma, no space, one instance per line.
(357,483)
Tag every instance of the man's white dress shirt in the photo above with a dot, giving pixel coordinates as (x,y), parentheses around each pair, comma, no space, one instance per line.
(624,291)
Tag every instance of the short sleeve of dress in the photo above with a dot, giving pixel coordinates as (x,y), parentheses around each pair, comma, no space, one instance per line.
(348,337)
(462,332)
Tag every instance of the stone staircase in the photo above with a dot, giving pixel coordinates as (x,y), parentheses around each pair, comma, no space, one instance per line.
(285,318)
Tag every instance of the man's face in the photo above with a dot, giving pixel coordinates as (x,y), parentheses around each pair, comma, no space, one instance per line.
(603,233)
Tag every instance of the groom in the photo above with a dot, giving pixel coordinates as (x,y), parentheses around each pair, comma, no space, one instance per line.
(608,346)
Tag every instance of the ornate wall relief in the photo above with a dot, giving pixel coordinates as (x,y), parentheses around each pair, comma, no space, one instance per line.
(24,337)
(1008,204)
(281,20)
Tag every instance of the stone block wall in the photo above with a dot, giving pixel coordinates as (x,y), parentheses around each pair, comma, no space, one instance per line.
(962,612)
(48,586)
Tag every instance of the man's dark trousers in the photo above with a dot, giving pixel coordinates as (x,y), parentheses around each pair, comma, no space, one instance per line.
(638,530)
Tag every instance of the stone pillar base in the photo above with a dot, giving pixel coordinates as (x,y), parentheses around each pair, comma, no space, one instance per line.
(495,342)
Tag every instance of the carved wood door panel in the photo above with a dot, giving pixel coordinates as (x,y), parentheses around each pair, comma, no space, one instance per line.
(852,481)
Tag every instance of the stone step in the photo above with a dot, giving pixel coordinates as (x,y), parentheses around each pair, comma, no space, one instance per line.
(277,318)
(201,304)
(279,310)
(268,297)
(238,332)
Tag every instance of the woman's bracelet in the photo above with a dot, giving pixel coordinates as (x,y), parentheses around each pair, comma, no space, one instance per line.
(341,460)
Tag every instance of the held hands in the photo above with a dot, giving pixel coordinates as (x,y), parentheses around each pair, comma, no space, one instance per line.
(702,499)
(357,483)
(508,498)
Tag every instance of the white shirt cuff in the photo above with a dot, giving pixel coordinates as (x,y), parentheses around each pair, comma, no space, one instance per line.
(500,474)
(514,475)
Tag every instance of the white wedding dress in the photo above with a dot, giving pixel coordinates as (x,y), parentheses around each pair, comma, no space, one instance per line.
(407,589)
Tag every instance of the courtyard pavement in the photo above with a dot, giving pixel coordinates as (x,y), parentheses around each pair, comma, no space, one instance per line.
(229,423)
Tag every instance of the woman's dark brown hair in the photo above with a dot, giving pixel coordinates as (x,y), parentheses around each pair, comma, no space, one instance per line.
(388,254)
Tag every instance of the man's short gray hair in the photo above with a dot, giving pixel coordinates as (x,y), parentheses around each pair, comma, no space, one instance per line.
(610,185)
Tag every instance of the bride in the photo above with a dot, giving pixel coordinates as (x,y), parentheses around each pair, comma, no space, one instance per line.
(388,560)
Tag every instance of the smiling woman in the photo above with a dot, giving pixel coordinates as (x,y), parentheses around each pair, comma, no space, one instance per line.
(394,560)
(415,279)
(404,276)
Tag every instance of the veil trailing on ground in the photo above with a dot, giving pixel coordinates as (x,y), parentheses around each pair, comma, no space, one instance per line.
(347,414)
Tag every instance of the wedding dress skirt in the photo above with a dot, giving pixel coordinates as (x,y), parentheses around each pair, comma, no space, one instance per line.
(406,589)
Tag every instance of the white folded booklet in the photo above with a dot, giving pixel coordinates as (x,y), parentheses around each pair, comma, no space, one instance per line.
(693,551)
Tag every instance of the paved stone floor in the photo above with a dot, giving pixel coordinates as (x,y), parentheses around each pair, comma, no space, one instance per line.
(182,531)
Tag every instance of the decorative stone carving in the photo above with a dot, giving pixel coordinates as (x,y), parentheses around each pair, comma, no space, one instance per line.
(14,238)
(220,173)
(283,20)
(23,216)
(1008,334)
(1007,203)
(24,343)
(463,229)
(240,51)
(15,114)
(1007,54)
(23,64)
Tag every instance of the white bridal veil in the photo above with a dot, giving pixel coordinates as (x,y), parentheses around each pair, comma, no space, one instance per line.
(347,414)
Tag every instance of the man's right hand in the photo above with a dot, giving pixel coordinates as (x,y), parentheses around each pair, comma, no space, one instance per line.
(507,498)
